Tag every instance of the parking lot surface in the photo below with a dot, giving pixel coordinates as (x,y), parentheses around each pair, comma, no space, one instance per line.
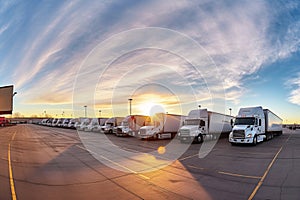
(39,162)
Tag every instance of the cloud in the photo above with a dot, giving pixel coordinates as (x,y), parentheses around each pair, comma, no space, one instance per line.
(294,84)
(55,41)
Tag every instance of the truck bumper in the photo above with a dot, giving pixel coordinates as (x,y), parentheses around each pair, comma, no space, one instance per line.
(186,138)
(131,133)
(145,136)
(121,134)
(241,140)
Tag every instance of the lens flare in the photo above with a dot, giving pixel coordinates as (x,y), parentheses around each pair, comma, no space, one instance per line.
(161,150)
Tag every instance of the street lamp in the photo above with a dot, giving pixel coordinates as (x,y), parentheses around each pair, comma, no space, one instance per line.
(130,100)
(230,111)
(99,113)
(85,110)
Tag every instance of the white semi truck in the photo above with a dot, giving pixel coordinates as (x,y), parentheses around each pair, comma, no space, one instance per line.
(84,122)
(111,123)
(95,124)
(162,126)
(202,124)
(131,125)
(255,124)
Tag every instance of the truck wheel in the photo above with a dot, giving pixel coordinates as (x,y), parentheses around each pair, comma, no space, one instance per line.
(254,141)
(110,131)
(199,138)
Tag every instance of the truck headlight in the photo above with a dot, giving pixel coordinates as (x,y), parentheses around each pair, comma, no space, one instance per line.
(249,135)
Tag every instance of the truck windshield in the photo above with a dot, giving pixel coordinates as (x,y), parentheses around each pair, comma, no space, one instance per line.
(192,122)
(245,121)
(124,123)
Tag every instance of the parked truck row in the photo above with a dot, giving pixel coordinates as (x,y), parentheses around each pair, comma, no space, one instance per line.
(250,126)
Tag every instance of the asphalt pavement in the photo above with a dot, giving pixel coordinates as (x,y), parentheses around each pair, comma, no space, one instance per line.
(40,162)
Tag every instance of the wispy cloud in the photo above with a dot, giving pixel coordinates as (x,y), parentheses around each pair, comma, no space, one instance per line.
(294,84)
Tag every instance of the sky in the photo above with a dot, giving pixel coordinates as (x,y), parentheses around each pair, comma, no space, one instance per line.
(169,56)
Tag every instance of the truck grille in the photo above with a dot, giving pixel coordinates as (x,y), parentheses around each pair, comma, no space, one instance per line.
(143,131)
(119,131)
(238,134)
(184,133)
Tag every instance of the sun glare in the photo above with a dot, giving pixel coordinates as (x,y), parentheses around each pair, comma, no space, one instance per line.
(150,108)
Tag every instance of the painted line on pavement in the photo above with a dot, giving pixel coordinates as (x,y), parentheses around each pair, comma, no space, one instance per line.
(267,171)
(11,179)
(181,159)
(239,175)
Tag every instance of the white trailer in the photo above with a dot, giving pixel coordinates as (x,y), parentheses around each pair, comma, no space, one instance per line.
(273,123)
(202,124)
(131,125)
(162,126)
(255,124)
(112,123)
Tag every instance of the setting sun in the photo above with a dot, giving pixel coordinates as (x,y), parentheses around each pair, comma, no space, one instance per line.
(150,108)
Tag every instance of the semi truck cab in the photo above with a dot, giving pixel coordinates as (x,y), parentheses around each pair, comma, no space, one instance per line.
(193,129)
(248,129)
(150,130)
(123,129)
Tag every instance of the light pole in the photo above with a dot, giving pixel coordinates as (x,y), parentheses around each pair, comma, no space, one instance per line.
(85,110)
(230,111)
(199,106)
(99,113)
(130,100)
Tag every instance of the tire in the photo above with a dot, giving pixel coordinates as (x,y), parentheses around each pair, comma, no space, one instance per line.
(232,143)
(110,131)
(199,139)
(254,143)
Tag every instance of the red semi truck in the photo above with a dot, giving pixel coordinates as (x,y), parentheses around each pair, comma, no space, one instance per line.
(3,121)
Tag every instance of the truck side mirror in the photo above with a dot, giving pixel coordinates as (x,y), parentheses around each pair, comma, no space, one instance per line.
(259,122)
